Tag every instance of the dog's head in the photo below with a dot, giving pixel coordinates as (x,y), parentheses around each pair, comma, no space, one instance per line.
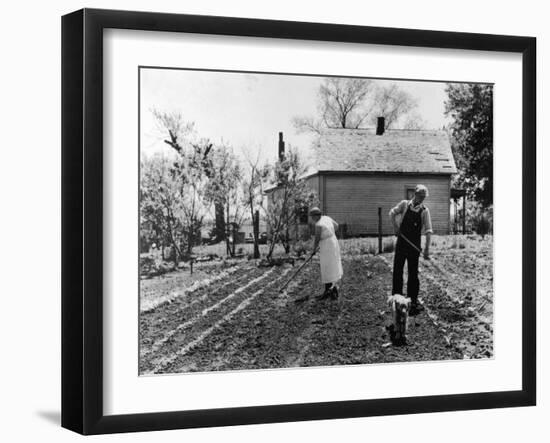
(400,306)
(399,303)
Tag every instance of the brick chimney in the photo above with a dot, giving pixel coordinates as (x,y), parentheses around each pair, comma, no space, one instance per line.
(281,147)
(380,126)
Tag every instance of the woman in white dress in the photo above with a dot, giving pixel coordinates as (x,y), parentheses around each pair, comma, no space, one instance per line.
(329,251)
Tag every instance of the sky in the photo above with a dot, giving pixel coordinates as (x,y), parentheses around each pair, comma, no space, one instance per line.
(248,110)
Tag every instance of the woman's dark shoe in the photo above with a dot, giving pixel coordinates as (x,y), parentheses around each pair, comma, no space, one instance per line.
(334,293)
(324,295)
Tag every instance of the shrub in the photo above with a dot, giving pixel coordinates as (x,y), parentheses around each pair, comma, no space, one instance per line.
(150,266)
(481,225)
(300,248)
(480,219)
(365,246)
(458,243)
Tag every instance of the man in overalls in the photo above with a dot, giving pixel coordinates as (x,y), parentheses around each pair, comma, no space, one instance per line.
(415,221)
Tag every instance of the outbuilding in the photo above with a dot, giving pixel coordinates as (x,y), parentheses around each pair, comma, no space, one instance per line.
(359,173)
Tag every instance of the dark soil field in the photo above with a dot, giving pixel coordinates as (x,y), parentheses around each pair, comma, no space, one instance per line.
(237,319)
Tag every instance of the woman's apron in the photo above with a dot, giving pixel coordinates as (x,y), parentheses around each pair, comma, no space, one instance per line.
(329,252)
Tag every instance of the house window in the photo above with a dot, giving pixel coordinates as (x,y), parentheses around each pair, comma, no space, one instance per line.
(409,192)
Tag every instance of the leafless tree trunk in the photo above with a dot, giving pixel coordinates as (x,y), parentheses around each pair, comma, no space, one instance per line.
(256,229)
(219,227)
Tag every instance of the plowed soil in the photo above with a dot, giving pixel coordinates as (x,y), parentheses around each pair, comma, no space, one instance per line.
(243,322)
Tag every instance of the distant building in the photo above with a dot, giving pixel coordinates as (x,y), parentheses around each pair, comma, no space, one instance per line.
(358,171)
(247,228)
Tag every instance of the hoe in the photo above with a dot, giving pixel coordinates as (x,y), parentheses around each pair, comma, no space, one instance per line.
(420,252)
(296,273)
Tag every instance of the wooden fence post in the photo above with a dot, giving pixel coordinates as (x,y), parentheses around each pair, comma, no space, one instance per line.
(234,237)
(256,229)
(380,230)
(464,215)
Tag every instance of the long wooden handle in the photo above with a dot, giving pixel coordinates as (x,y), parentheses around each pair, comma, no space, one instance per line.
(410,243)
(296,273)
(420,252)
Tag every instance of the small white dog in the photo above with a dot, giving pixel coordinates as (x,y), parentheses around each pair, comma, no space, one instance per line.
(400,306)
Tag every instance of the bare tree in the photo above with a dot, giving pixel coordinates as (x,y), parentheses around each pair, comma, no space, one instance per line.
(356,103)
(391,102)
(342,103)
(192,189)
(253,193)
(174,124)
(160,201)
(307,124)
(179,132)
(414,121)
(224,187)
(284,202)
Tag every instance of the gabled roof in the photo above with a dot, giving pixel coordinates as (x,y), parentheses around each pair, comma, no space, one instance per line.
(397,150)
(307,174)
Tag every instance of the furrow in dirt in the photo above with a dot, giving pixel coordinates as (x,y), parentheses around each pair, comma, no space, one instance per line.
(181,297)
(192,316)
(192,326)
(460,312)
(276,332)
(156,324)
(358,334)
(266,335)
(474,269)
(175,285)
(184,344)
(220,328)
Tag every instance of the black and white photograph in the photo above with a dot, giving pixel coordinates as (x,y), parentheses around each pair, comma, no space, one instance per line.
(291,221)
(266,222)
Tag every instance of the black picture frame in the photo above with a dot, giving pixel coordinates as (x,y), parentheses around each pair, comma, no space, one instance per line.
(82,218)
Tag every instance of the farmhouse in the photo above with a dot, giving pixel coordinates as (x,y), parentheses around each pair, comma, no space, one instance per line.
(358,171)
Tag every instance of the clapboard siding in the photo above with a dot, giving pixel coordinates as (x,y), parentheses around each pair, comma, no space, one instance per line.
(313,184)
(355,199)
